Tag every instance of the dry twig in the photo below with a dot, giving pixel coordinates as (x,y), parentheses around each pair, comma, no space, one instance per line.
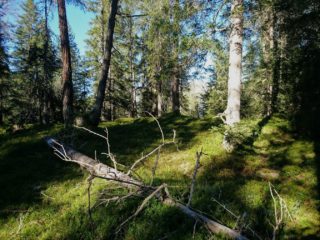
(155,149)
(198,157)
(278,216)
(145,201)
(106,138)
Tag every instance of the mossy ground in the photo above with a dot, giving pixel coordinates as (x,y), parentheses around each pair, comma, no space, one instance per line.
(42,197)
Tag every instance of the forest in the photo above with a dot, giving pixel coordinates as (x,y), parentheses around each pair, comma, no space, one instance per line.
(170,119)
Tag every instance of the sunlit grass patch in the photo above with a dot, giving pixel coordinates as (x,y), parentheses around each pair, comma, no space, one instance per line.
(43,197)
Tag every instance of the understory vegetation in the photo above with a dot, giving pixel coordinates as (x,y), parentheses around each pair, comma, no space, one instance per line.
(43,197)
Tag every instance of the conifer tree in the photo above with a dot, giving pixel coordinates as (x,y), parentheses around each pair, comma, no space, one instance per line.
(66,77)
(4,64)
(35,63)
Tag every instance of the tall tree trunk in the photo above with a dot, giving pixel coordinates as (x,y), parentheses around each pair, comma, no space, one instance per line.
(67,87)
(159,99)
(278,67)
(1,114)
(108,100)
(133,108)
(175,92)
(269,53)
(102,26)
(112,106)
(275,69)
(45,112)
(235,57)
(96,112)
(175,84)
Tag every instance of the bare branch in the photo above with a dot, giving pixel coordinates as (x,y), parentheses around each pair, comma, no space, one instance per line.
(162,135)
(225,208)
(131,16)
(146,156)
(155,149)
(106,138)
(89,179)
(154,168)
(115,199)
(222,116)
(198,156)
(145,201)
(194,229)
(92,132)
(278,217)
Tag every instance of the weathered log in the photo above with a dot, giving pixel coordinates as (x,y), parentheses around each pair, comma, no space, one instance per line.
(213,226)
(95,168)
(101,170)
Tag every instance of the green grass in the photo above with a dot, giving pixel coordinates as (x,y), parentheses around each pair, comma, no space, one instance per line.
(42,197)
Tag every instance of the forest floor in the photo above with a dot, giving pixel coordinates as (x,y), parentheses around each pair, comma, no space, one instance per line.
(42,197)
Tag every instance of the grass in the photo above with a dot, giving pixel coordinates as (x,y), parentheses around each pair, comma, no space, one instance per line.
(45,198)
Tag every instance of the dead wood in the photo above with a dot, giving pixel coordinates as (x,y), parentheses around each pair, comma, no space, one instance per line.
(100,170)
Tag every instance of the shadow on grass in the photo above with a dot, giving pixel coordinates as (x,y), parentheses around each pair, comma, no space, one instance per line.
(240,182)
(27,167)
(131,139)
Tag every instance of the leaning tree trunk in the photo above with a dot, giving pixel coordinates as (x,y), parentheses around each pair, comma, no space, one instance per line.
(235,57)
(96,112)
(67,87)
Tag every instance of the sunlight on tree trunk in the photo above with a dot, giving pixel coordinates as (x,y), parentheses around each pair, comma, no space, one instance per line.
(235,58)
(67,87)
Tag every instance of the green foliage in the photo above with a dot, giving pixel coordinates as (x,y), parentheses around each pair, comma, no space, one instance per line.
(35,63)
(215,98)
(150,50)
(80,78)
(241,132)
(4,65)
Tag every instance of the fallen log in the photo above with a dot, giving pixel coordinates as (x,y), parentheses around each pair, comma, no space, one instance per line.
(93,166)
(100,170)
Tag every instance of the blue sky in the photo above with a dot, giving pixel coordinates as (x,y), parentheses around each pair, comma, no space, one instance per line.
(78,19)
(79,22)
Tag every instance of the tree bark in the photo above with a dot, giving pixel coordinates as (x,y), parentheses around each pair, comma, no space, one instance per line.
(235,58)
(175,85)
(100,95)
(133,109)
(175,92)
(1,115)
(67,86)
(159,98)
(268,40)
(45,112)
(278,67)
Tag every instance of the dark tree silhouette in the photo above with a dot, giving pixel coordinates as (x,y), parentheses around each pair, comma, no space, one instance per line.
(67,87)
(96,112)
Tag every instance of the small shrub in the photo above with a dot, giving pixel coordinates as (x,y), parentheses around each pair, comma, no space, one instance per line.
(243,132)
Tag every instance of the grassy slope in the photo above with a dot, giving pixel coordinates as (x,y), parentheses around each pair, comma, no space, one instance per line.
(42,197)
